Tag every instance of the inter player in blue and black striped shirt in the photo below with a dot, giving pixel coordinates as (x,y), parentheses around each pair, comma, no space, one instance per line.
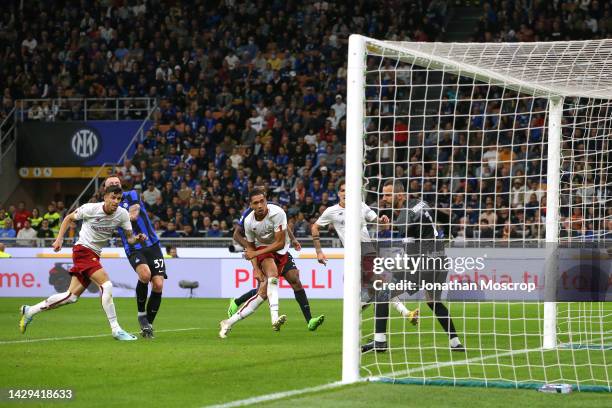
(146,258)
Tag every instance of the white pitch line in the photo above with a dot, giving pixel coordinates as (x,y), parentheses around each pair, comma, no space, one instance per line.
(278,395)
(86,337)
(286,394)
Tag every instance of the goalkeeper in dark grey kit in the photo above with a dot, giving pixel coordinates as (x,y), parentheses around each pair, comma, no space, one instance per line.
(413,223)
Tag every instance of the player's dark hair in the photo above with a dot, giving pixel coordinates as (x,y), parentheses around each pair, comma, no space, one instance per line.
(340,183)
(113,189)
(261,187)
(256,192)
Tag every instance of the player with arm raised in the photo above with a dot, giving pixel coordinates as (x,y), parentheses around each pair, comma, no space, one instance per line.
(100,220)
(146,259)
(415,226)
(266,248)
(334,215)
(290,273)
(267,243)
(240,238)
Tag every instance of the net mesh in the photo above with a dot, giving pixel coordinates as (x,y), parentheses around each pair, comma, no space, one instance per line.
(464,129)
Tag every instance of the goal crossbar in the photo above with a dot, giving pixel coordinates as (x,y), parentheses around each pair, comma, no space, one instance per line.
(499,62)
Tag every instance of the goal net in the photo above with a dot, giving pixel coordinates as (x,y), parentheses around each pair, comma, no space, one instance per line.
(493,160)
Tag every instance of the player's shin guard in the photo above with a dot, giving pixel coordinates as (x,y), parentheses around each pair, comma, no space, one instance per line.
(444,318)
(247,309)
(142,290)
(52,302)
(153,305)
(302,299)
(272,292)
(109,307)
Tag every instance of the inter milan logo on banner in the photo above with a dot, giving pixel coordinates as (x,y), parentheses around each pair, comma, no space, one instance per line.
(85,143)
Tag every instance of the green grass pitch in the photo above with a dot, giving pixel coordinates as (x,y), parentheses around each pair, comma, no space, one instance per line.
(188,366)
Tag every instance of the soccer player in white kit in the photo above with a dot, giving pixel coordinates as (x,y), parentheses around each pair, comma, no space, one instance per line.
(100,220)
(267,245)
(335,215)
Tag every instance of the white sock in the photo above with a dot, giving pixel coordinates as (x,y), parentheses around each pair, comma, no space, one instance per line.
(52,302)
(454,342)
(272,291)
(109,306)
(399,306)
(380,337)
(247,309)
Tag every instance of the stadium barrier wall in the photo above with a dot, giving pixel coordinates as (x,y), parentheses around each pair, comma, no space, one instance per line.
(217,278)
(38,272)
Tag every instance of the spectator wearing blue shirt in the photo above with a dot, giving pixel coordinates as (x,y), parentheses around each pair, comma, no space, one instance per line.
(150,142)
(282,159)
(214,231)
(241,183)
(324,173)
(176,180)
(284,197)
(312,153)
(220,158)
(275,182)
(170,231)
(8,231)
(332,193)
(121,51)
(209,121)
(193,119)
(173,158)
(169,112)
(316,191)
(172,133)
(191,182)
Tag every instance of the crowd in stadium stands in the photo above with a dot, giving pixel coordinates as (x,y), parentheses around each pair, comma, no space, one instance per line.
(523,20)
(27,226)
(249,93)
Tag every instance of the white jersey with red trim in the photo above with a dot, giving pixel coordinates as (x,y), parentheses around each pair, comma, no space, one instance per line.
(98,226)
(261,233)
(335,215)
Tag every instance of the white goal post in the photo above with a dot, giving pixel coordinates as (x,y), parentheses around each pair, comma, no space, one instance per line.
(538,119)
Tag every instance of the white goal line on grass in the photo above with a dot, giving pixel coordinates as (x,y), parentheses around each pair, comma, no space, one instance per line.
(2,342)
(277,395)
(287,394)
